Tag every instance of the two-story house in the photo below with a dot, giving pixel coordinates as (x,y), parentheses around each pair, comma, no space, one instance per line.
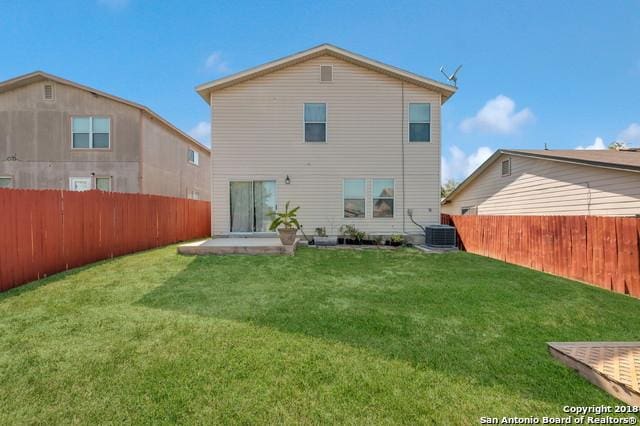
(539,182)
(57,134)
(348,139)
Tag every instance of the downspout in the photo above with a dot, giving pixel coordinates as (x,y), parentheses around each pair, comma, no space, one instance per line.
(402,161)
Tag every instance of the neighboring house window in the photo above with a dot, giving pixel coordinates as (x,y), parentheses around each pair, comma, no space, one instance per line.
(6,182)
(48,92)
(419,122)
(315,122)
(103,183)
(469,210)
(80,183)
(193,157)
(506,167)
(353,195)
(383,191)
(91,132)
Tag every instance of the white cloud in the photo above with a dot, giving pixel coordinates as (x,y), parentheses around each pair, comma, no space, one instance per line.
(498,115)
(458,165)
(215,62)
(114,4)
(598,143)
(630,135)
(202,132)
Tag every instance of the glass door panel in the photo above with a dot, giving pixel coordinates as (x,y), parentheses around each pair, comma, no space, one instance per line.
(241,206)
(264,196)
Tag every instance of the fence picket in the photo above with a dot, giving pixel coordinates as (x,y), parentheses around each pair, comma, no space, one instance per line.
(603,251)
(49,231)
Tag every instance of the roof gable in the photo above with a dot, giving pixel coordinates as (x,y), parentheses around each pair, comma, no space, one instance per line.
(204,90)
(38,76)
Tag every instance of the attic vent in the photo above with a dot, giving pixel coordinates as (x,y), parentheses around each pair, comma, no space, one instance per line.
(506,167)
(326,73)
(48,91)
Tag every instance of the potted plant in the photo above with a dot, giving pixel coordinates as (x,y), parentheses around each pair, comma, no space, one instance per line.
(289,221)
(352,234)
(321,238)
(396,240)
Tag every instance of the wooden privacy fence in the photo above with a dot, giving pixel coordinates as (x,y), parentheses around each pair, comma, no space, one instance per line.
(48,231)
(599,250)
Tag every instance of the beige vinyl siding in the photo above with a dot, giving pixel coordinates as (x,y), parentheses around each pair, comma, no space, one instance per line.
(545,187)
(257,134)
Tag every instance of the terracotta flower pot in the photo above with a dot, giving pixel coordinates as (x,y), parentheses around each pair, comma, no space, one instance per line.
(287,236)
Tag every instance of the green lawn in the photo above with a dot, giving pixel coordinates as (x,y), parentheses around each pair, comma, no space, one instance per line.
(325,336)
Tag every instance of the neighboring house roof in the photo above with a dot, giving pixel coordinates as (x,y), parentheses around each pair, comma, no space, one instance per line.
(205,89)
(37,76)
(628,160)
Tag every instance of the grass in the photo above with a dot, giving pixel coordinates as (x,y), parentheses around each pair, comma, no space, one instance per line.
(326,336)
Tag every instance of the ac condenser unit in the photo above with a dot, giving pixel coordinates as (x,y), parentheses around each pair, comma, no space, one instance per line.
(442,236)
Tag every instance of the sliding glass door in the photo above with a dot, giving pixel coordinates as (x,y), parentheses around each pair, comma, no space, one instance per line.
(251,204)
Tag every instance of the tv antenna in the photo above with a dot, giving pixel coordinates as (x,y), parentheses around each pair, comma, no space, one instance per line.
(453,77)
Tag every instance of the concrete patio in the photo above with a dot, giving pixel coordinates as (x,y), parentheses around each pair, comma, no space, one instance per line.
(221,246)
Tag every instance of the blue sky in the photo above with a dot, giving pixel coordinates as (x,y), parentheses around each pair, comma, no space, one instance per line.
(564,73)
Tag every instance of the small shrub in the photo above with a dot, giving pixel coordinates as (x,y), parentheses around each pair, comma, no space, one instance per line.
(396,240)
(321,232)
(353,233)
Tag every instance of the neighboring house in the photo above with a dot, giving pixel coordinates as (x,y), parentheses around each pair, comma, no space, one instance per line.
(551,182)
(348,139)
(55,133)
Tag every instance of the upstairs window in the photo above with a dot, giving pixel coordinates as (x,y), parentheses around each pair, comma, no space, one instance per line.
(315,122)
(419,122)
(353,194)
(91,132)
(506,167)
(383,201)
(193,157)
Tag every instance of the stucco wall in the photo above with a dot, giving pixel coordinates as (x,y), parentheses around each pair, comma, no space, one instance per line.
(257,134)
(38,133)
(543,187)
(165,169)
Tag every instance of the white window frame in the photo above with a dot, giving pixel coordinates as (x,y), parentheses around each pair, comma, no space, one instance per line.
(196,157)
(104,177)
(364,197)
(508,161)
(326,65)
(418,122)
(468,210)
(11,180)
(325,122)
(252,180)
(193,194)
(91,117)
(373,199)
(72,178)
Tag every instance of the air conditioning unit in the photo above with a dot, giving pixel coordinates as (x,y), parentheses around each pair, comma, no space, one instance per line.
(441,236)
